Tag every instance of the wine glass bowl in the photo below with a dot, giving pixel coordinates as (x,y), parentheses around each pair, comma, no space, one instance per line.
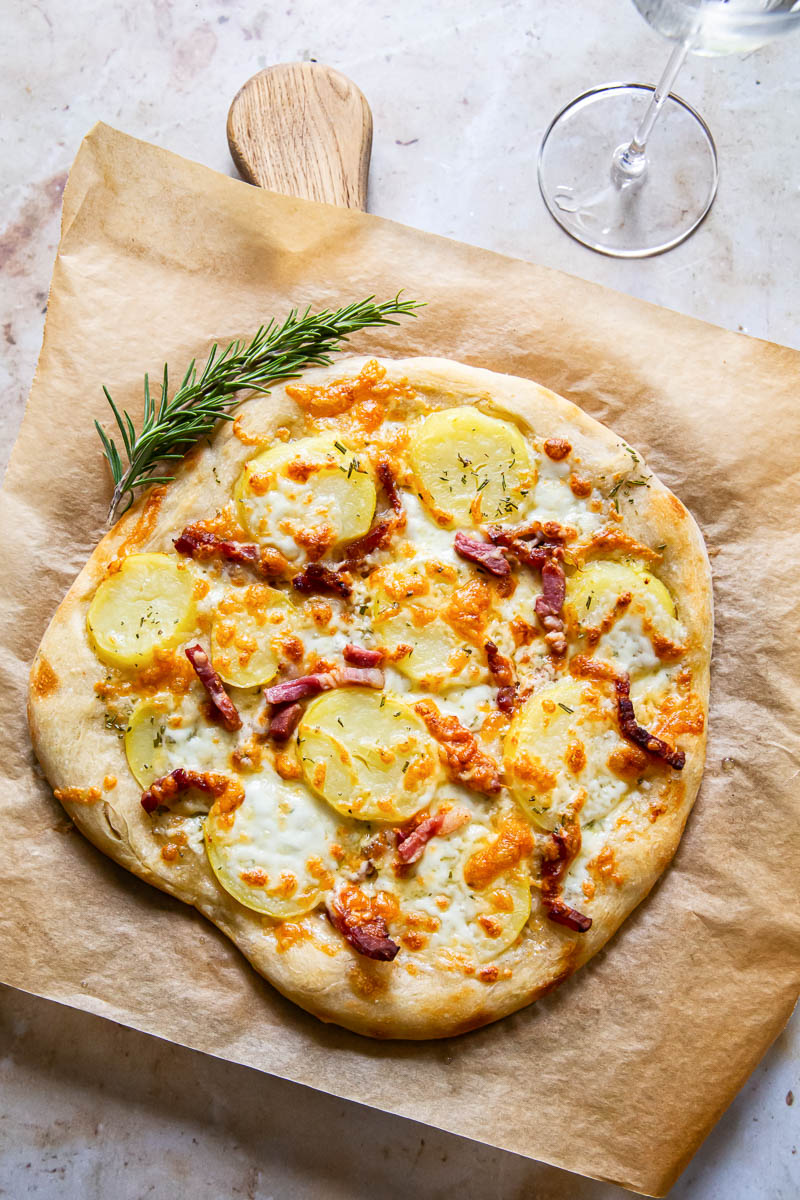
(630,169)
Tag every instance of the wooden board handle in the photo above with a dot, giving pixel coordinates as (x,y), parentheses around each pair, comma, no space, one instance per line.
(304,130)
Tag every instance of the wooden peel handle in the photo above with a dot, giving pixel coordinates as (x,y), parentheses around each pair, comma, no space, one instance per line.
(304,130)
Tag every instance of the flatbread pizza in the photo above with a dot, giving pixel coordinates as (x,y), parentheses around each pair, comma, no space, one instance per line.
(402,683)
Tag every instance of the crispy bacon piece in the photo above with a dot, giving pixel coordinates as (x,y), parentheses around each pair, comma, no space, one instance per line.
(165,789)
(315,578)
(298,689)
(211,681)
(501,668)
(529,544)
(360,656)
(485,554)
(284,721)
(564,845)
(584,667)
(507,699)
(370,938)
(199,543)
(389,485)
(636,733)
(322,681)
(374,539)
(358,677)
(411,843)
(554,589)
(381,531)
(466,761)
(550,604)
(540,547)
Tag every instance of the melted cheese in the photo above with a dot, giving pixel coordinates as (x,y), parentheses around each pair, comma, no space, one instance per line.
(560,754)
(313,493)
(276,853)
(294,840)
(458,921)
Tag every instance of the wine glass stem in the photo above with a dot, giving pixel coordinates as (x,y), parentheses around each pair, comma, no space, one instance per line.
(630,161)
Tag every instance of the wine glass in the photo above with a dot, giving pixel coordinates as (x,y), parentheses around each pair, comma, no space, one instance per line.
(631,170)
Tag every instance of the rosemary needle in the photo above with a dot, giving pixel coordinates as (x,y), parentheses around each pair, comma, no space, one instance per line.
(170,426)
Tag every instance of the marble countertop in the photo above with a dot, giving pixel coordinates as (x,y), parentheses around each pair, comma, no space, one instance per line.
(461,92)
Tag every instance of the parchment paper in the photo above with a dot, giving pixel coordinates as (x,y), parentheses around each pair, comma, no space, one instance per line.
(622,1071)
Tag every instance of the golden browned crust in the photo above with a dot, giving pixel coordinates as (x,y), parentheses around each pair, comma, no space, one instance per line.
(313,966)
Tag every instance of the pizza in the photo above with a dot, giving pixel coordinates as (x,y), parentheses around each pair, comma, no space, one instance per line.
(402,683)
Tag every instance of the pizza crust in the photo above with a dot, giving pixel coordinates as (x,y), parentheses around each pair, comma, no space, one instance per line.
(322,973)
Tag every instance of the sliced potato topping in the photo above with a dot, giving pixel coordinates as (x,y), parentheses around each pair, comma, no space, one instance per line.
(423,620)
(245,636)
(144,606)
(167,732)
(273,852)
(144,742)
(368,754)
(623,613)
(307,496)
(471,468)
(563,754)
(479,923)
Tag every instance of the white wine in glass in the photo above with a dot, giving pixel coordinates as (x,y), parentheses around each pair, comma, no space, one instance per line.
(630,169)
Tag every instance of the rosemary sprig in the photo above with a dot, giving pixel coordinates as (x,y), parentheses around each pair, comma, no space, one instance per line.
(171,425)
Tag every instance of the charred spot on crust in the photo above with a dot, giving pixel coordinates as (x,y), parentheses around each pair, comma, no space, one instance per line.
(44,680)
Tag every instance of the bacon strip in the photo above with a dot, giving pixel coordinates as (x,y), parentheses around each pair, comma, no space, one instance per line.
(410,845)
(507,699)
(370,939)
(283,723)
(540,547)
(358,677)
(360,656)
(533,545)
(298,689)
(315,578)
(389,485)
(551,601)
(374,539)
(162,790)
(565,844)
(486,555)
(199,543)
(550,604)
(309,685)
(214,686)
(381,532)
(466,761)
(637,734)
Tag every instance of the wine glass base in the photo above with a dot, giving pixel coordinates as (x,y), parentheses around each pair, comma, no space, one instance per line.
(641,217)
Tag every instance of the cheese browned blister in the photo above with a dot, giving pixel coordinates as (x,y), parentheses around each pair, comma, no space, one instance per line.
(384,852)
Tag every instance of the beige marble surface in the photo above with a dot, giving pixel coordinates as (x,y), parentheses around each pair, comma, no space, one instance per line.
(461,91)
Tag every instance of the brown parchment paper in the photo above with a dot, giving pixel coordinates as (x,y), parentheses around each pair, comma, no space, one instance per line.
(621,1072)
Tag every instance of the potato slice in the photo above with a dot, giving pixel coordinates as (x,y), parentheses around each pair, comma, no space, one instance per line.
(146,605)
(274,856)
(368,754)
(471,468)
(144,742)
(244,636)
(306,496)
(167,732)
(632,635)
(413,617)
(481,924)
(564,753)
